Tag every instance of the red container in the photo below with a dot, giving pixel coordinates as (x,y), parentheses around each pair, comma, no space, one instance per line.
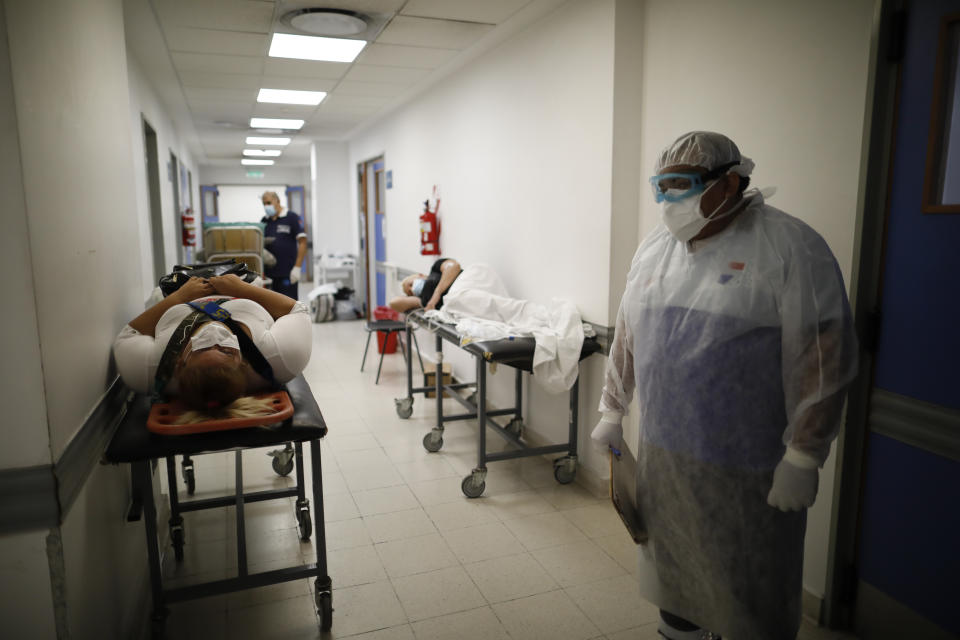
(386,340)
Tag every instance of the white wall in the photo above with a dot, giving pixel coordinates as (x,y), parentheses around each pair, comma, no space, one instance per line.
(787,82)
(521,153)
(80,220)
(244,203)
(26,603)
(519,142)
(145,105)
(26,437)
(335,215)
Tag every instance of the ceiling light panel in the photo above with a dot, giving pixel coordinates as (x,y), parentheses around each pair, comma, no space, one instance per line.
(275,123)
(249,161)
(263,153)
(286,45)
(289,96)
(268,142)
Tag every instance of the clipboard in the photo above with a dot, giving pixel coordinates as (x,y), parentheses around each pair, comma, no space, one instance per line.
(623,493)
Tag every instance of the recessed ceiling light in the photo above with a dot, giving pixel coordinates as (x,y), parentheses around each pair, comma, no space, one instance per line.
(275,123)
(263,153)
(286,45)
(275,142)
(249,161)
(288,96)
(326,22)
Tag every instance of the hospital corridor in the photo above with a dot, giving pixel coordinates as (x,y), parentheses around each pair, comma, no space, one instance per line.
(480,319)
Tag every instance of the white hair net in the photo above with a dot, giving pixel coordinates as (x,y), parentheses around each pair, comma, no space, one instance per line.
(704,149)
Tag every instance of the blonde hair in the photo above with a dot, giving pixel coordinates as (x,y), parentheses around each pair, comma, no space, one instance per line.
(242,407)
(273,195)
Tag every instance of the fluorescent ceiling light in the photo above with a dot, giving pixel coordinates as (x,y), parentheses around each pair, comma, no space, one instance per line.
(249,161)
(287,96)
(275,123)
(267,153)
(268,142)
(285,45)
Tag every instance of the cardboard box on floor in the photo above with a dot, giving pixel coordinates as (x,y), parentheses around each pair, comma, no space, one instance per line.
(429,372)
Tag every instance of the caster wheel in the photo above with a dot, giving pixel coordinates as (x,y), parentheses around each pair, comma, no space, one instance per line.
(325,610)
(404,407)
(282,469)
(432,443)
(189,480)
(472,398)
(564,475)
(472,488)
(305,524)
(515,427)
(177,539)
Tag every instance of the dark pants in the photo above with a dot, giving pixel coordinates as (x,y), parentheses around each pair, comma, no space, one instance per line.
(284,286)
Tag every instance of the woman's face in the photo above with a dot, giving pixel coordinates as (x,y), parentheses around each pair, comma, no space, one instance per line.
(212,356)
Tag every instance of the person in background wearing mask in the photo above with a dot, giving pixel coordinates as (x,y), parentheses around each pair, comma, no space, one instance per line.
(735,333)
(286,240)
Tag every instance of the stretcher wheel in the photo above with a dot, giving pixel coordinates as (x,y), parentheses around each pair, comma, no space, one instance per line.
(515,427)
(563,472)
(472,487)
(325,610)
(404,407)
(177,538)
(189,480)
(305,524)
(282,468)
(432,443)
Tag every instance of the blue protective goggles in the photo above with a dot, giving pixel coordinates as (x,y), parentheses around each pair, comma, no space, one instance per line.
(674,187)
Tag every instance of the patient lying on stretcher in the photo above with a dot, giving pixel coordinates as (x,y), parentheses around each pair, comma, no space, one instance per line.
(177,352)
(427,289)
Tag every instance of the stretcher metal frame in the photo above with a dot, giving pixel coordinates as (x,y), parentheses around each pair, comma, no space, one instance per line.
(513,352)
(134,444)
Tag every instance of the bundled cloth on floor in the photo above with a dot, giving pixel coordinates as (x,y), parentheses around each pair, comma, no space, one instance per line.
(478,304)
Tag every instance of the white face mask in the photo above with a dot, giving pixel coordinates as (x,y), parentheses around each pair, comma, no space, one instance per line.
(417,286)
(213,334)
(684,219)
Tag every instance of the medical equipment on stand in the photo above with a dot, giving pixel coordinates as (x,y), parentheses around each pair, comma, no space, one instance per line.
(430,227)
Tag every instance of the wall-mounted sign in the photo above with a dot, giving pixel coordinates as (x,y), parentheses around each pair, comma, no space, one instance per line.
(390,179)
(254,174)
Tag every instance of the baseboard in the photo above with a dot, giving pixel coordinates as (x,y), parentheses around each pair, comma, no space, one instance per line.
(811,607)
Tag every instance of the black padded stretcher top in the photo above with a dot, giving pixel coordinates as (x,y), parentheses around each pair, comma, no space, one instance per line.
(513,352)
(132,441)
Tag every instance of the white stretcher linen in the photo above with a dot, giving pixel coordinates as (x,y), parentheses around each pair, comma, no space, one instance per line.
(479,307)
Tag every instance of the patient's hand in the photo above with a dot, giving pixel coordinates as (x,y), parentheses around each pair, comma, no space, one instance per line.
(192,289)
(229,285)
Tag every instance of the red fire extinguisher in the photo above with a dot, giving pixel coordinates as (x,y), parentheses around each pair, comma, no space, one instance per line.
(430,229)
(188,224)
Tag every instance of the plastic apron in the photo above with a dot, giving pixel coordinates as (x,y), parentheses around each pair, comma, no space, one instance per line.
(708,360)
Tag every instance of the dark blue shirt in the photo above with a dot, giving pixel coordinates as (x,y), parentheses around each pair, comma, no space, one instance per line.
(284,231)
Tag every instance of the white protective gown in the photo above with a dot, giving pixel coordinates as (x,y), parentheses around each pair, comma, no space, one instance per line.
(735,347)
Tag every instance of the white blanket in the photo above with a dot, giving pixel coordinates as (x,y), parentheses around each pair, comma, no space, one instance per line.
(478,305)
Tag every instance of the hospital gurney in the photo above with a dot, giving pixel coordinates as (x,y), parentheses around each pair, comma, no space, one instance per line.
(133,443)
(513,352)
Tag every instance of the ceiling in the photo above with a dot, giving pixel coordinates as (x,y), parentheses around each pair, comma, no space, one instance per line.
(208,59)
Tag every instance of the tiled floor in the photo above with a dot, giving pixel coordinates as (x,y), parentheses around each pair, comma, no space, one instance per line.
(410,557)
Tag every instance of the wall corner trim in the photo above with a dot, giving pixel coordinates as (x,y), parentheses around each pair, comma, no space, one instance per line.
(36,498)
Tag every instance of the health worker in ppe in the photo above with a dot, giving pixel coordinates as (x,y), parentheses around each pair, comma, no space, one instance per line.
(735,334)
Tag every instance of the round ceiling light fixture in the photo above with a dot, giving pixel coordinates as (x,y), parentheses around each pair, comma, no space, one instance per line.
(326,22)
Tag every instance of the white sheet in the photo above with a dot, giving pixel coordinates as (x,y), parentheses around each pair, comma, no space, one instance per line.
(478,305)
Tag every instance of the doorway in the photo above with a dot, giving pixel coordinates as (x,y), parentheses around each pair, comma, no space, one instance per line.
(895,558)
(372,222)
(152,164)
(173,174)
